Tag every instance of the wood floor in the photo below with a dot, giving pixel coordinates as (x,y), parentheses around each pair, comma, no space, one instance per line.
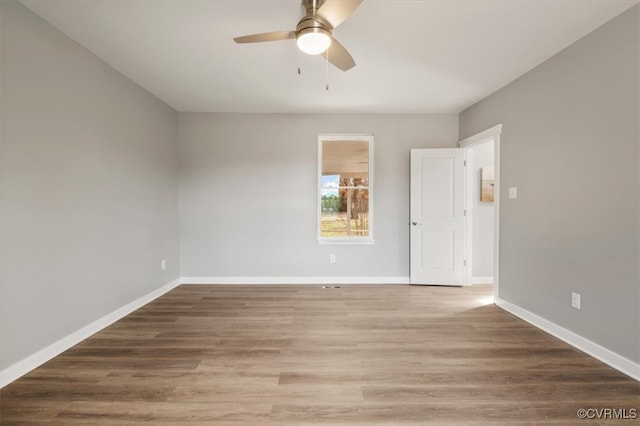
(304,355)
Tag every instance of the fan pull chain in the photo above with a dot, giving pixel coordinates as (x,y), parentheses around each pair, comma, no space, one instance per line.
(299,69)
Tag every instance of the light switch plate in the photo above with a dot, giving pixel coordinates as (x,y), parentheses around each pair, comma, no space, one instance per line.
(513,192)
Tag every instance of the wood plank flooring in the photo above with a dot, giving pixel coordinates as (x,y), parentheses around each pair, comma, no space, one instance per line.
(304,355)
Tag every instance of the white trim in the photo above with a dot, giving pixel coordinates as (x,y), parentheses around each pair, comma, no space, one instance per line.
(481,280)
(620,363)
(22,367)
(294,280)
(468,220)
(496,214)
(354,241)
(481,137)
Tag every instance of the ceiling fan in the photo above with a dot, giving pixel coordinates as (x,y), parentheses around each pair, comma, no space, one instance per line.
(313,32)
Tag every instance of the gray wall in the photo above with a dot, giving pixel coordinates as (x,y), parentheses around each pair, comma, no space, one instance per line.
(570,144)
(248,193)
(88,187)
(482,228)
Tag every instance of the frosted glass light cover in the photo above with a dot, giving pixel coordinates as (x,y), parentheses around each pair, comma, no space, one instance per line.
(314,43)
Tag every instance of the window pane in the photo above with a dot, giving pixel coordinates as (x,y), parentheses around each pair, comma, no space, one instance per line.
(350,159)
(345,213)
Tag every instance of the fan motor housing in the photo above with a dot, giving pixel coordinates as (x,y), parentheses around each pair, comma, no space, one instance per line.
(312,24)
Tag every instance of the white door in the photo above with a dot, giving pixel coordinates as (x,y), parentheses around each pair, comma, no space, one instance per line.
(437,216)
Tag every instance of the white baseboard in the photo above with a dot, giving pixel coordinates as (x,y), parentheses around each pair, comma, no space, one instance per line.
(31,362)
(481,280)
(620,363)
(294,280)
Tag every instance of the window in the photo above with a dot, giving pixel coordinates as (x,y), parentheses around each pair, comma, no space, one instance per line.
(345,207)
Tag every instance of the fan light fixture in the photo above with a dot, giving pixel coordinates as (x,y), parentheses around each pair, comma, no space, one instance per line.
(313,33)
(314,41)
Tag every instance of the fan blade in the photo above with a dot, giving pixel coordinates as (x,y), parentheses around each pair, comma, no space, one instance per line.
(336,11)
(338,56)
(272,36)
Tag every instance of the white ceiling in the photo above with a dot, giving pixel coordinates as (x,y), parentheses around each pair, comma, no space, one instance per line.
(430,56)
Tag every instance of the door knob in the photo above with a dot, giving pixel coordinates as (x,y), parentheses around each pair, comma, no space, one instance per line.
(415,223)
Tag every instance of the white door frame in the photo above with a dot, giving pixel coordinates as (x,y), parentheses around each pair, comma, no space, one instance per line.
(492,133)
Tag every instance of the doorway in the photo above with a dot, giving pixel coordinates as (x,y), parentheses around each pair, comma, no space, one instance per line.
(482,239)
(438,255)
(480,199)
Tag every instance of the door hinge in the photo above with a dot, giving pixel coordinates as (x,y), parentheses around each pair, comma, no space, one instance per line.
(465,163)
(464,262)
(465,212)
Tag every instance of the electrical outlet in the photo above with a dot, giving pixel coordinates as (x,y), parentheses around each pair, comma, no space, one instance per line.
(575,300)
(332,258)
(163,265)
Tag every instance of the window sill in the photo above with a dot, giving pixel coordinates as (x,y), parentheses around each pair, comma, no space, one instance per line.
(347,241)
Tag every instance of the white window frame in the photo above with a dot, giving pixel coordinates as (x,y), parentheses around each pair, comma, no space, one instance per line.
(354,239)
